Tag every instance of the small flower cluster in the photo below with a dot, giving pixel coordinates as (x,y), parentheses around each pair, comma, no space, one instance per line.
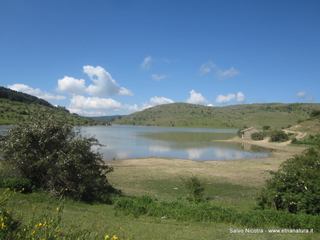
(114,237)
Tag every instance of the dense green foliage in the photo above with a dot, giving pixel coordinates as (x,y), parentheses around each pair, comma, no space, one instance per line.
(53,157)
(23,185)
(257,136)
(278,136)
(189,115)
(295,186)
(208,212)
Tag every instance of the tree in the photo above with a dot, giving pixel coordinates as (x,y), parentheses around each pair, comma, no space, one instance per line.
(278,136)
(56,158)
(295,186)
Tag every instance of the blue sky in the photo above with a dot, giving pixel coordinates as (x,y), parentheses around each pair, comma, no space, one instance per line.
(112,57)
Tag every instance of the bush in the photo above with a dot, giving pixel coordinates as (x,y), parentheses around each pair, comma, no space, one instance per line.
(295,186)
(257,136)
(53,157)
(266,128)
(278,136)
(195,189)
(22,185)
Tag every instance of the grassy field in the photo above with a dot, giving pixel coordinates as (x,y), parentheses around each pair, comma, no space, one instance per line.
(188,115)
(231,184)
(13,112)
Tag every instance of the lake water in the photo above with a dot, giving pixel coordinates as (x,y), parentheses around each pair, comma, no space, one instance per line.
(124,142)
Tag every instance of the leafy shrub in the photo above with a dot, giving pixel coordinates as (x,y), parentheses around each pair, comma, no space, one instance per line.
(195,189)
(295,186)
(22,185)
(278,136)
(54,157)
(257,136)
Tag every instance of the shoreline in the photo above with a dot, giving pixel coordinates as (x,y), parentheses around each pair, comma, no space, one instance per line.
(246,172)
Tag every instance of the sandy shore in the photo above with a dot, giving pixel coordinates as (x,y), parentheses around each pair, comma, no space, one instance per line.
(249,172)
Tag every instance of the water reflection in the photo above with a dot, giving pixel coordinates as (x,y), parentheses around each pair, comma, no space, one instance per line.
(123,142)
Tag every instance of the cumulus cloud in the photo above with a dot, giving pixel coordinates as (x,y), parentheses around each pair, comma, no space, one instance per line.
(71,85)
(196,98)
(238,97)
(35,92)
(146,63)
(93,106)
(210,67)
(158,77)
(102,84)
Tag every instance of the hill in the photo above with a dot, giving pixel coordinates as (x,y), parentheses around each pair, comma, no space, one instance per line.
(276,115)
(16,106)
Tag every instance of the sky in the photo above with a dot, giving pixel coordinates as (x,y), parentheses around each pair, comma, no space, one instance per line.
(103,57)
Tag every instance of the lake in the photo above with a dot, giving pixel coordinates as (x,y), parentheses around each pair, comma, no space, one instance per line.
(125,142)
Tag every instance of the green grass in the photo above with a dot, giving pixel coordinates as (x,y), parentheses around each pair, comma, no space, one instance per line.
(188,115)
(101,218)
(13,112)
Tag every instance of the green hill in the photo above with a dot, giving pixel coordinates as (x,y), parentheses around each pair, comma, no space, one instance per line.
(16,107)
(276,115)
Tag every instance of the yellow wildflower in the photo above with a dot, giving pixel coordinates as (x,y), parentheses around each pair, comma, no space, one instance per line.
(114,237)
(106,237)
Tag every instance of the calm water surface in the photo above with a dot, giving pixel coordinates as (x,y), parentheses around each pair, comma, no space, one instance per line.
(123,142)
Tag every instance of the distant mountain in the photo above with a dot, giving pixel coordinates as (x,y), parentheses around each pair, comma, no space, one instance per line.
(17,106)
(107,118)
(276,115)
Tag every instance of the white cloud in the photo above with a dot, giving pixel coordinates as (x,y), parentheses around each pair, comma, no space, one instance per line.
(146,63)
(207,68)
(238,97)
(93,106)
(160,100)
(71,85)
(35,92)
(196,98)
(210,67)
(78,101)
(301,94)
(103,83)
(227,73)
(158,77)
(210,105)
(154,101)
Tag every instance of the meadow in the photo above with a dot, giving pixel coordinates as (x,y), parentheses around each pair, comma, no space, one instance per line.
(230,186)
